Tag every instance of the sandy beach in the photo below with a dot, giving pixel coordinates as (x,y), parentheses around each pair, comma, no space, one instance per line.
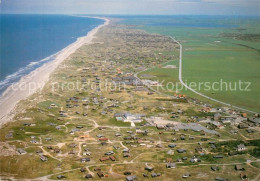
(23,89)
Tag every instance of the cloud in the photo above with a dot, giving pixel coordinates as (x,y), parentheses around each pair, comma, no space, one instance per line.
(132,6)
(234,2)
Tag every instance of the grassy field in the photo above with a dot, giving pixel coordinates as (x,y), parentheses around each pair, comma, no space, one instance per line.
(216,49)
(60,136)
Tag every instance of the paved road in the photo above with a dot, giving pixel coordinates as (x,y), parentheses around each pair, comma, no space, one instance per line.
(196,92)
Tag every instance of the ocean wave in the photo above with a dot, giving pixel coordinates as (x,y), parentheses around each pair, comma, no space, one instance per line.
(20,73)
(16,76)
(32,64)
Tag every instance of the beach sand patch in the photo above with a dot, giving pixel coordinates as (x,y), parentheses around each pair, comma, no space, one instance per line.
(170,67)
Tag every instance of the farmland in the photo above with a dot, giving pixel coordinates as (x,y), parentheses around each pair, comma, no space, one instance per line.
(214,50)
(114,126)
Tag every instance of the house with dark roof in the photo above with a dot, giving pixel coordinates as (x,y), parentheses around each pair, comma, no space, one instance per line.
(241,147)
(112,158)
(104,159)
(83,170)
(109,153)
(103,139)
(181,150)
(21,151)
(243,176)
(220,179)
(43,158)
(97,169)
(131,178)
(214,168)
(155,175)
(88,176)
(172,145)
(239,168)
(170,165)
(83,160)
(186,175)
(100,174)
(149,168)
(61,177)
(218,156)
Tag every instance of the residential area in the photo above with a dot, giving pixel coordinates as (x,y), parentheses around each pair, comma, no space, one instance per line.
(113,125)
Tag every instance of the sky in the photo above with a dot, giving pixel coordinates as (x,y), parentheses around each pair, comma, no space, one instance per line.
(133,7)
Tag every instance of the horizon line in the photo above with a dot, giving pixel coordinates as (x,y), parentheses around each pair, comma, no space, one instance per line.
(234,15)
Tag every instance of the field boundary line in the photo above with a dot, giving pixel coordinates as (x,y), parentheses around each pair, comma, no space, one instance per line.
(196,92)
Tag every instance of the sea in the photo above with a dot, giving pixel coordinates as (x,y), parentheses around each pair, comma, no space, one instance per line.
(29,41)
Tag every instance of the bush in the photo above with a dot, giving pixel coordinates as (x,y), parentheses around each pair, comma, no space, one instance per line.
(208,158)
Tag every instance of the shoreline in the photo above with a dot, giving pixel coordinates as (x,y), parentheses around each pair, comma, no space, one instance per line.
(10,97)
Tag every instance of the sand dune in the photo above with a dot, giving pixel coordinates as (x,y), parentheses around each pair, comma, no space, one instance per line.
(21,90)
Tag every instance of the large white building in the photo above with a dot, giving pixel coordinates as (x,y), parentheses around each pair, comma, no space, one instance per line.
(128,117)
(136,118)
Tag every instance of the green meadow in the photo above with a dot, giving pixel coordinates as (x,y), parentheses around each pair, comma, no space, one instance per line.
(223,50)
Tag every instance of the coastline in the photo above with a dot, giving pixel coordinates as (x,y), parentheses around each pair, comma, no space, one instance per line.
(40,76)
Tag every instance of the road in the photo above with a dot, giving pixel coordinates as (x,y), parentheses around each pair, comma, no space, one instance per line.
(47,177)
(186,86)
(198,93)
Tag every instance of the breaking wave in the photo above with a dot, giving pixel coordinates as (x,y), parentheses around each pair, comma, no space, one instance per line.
(16,76)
